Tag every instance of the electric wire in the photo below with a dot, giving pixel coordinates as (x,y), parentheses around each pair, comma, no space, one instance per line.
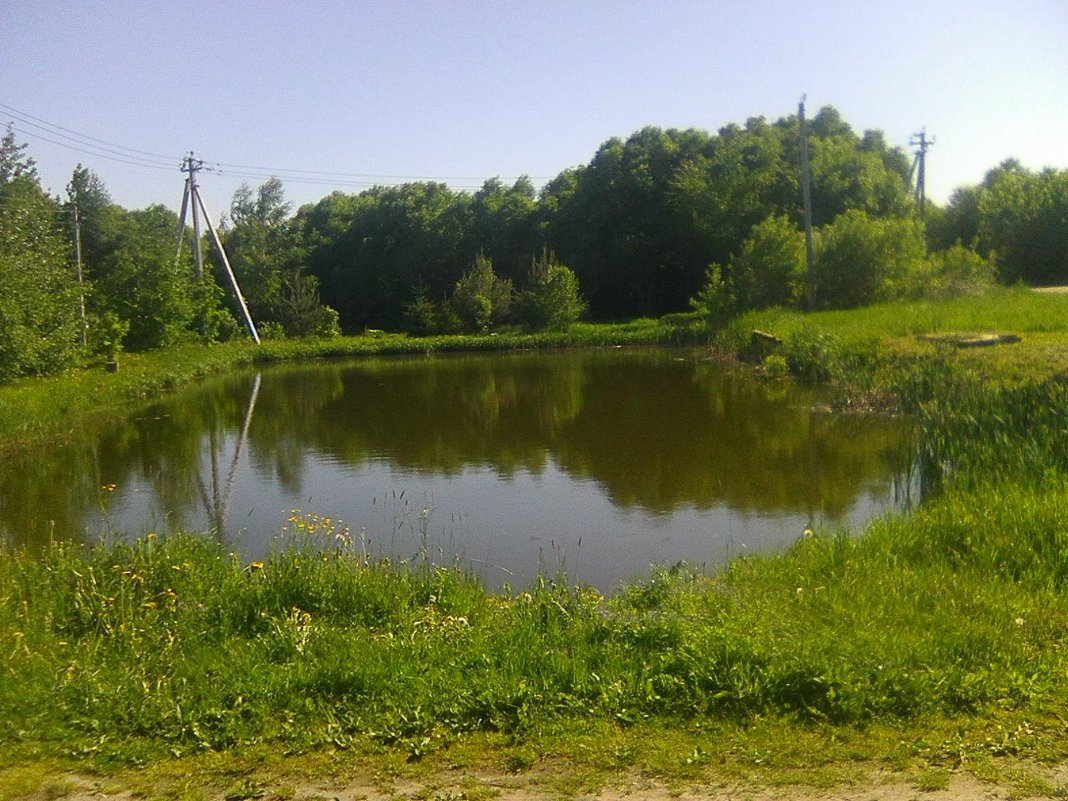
(79,135)
(103,148)
(134,162)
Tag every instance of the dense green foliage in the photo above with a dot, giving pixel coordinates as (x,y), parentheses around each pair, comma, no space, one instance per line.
(1019,215)
(268,260)
(134,282)
(639,225)
(652,223)
(39,327)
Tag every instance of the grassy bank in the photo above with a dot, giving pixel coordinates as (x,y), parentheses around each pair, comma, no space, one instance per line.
(931,645)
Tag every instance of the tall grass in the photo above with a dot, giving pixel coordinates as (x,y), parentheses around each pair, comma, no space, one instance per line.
(1017,310)
(166,647)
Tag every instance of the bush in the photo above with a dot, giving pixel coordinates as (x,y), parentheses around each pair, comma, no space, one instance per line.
(481,300)
(770,270)
(552,298)
(422,315)
(862,260)
(716,298)
(300,312)
(953,273)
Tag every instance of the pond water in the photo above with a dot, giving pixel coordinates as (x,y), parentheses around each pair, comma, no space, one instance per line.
(599,463)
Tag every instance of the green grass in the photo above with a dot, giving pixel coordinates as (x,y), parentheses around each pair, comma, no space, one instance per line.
(933,643)
(1015,310)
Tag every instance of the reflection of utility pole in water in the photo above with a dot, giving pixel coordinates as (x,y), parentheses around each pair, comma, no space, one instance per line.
(217,506)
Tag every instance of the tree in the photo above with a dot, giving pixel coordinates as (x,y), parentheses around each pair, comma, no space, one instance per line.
(551,297)
(260,245)
(621,229)
(481,300)
(504,225)
(137,292)
(138,281)
(844,177)
(300,311)
(861,259)
(40,330)
(14,161)
(1023,218)
(370,251)
(957,223)
(643,220)
(739,179)
(770,269)
(716,299)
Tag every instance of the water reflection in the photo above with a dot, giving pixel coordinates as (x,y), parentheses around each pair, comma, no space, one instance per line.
(642,456)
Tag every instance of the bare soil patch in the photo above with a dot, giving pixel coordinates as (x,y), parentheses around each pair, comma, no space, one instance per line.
(543,784)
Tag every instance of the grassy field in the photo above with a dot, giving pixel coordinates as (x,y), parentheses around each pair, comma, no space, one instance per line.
(934,644)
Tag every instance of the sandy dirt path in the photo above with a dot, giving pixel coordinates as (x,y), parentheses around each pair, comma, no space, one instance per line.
(534,785)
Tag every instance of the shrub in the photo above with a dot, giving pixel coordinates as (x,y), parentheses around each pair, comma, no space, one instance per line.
(300,311)
(716,299)
(862,260)
(955,272)
(422,315)
(481,300)
(770,269)
(552,298)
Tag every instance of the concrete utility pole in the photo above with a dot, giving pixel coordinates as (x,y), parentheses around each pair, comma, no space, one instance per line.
(191,198)
(78,263)
(920,140)
(191,166)
(806,199)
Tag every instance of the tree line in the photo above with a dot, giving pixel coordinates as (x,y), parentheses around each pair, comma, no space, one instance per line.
(663,221)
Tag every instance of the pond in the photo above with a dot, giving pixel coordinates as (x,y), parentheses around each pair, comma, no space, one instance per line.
(598,463)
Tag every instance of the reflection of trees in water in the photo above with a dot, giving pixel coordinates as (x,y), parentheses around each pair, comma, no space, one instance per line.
(656,433)
(41,495)
(289,414)
(725,439)
(443,415)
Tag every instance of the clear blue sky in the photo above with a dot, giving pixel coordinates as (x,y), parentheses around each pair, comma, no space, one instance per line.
(461,91)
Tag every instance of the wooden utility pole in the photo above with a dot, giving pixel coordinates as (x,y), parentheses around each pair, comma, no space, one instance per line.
(191,199)
(806,200)
(921,141)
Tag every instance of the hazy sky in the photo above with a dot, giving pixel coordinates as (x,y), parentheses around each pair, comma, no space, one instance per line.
(380,92)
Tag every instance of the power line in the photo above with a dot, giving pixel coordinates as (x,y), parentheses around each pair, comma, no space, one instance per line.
(43,122)
(135,162)
(279,171)
(103,148)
